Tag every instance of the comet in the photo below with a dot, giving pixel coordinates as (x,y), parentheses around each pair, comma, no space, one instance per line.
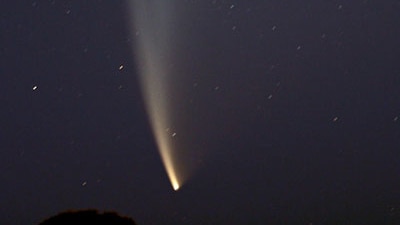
(154,53)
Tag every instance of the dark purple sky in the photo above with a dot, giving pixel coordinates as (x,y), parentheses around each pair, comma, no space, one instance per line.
(296,105)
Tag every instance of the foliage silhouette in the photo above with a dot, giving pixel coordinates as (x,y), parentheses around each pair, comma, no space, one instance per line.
(90,217)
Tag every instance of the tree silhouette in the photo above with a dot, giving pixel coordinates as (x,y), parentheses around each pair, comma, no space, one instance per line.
(90,217)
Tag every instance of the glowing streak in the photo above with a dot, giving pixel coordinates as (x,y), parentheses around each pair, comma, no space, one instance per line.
(155,94)
(152,49)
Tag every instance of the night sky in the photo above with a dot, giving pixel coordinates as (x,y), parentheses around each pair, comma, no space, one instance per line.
(289,111)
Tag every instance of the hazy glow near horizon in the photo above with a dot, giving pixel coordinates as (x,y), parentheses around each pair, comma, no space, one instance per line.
(152,48)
